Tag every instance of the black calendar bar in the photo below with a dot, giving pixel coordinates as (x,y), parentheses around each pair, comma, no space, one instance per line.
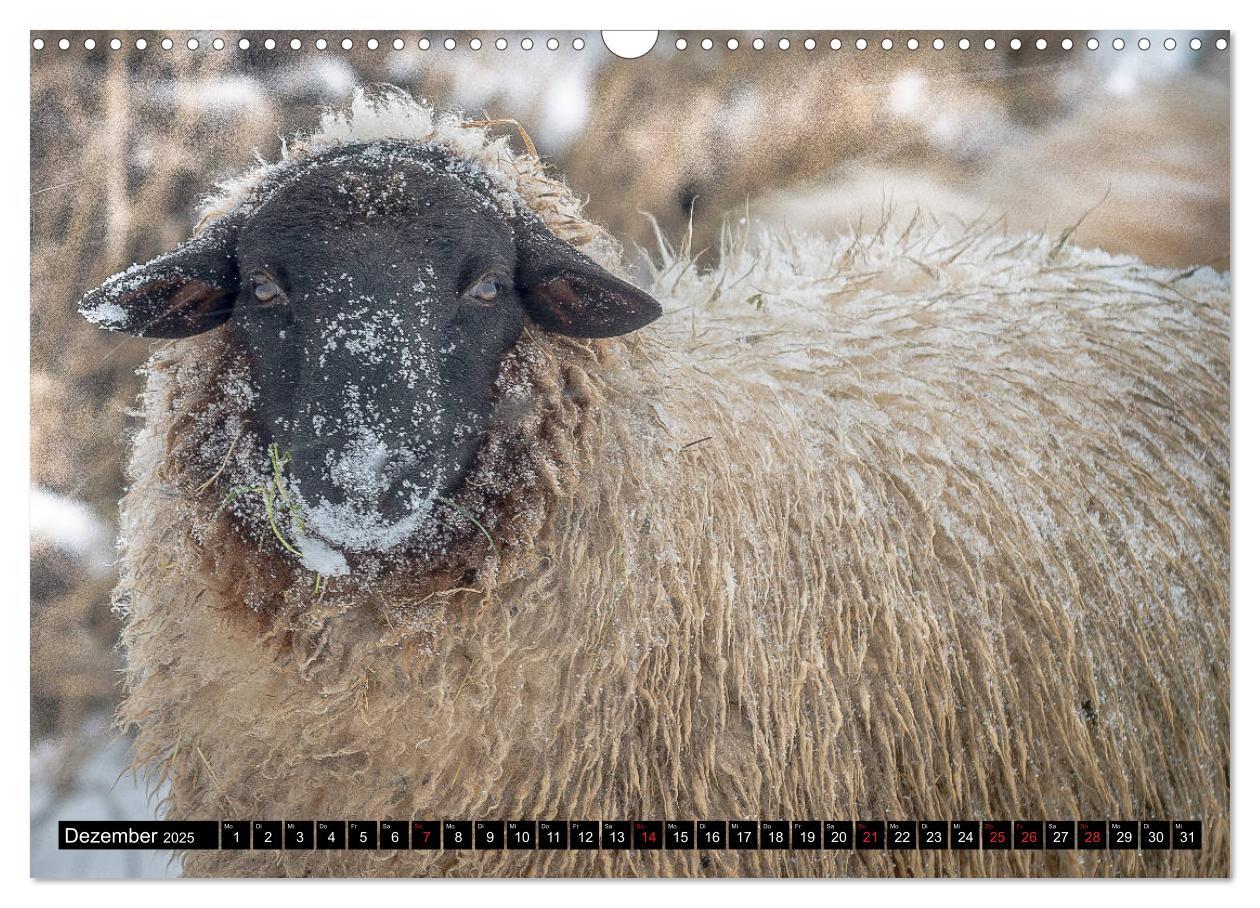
(988,835)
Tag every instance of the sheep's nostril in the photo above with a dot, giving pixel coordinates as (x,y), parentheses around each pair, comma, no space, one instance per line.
(396,467)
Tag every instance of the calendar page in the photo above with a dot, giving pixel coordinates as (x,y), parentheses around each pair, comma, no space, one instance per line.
(630,454)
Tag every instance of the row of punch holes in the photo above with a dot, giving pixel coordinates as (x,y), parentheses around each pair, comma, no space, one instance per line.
(680,43)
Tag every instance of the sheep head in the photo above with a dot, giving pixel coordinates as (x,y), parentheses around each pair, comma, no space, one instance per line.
(374,291)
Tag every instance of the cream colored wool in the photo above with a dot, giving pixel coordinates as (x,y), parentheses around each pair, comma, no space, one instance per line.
(928,526)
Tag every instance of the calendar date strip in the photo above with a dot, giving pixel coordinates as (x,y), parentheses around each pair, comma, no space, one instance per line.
(635,835)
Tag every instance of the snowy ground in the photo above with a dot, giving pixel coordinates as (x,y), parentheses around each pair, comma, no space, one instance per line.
(99,788)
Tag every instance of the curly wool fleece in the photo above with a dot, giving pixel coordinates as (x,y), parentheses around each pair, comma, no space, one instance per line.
(929,526)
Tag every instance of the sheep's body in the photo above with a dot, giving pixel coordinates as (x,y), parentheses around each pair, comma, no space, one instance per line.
(904,528)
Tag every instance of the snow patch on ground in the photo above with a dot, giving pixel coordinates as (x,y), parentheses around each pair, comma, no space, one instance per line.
(71,526)
(100,787)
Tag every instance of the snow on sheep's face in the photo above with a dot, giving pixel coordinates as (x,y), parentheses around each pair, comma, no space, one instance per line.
(375,292)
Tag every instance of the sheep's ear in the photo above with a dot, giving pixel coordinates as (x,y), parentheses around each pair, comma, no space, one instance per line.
(182,292)
(566,292)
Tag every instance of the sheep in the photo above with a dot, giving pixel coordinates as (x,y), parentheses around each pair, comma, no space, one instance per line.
(926,525)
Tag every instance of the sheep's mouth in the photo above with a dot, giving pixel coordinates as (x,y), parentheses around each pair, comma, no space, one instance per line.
(361,526)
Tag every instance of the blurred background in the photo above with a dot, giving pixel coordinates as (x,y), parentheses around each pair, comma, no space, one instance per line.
(1131,143)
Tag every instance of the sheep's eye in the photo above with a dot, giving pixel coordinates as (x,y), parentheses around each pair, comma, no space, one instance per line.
(484,290)
(267,290)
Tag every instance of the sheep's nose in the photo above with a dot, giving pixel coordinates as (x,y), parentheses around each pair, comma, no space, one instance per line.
(370,474)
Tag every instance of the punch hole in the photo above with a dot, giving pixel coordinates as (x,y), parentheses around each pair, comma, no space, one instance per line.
(629,45)
(373,44)
(475,44)
(938,44)
(1118,44)
(989,44)
(1040,44)
(835,44)
(1092,44)
(860,44)
(320,44)
(964,44)
(578,44)
(38,44)
(553,44)
(1066,44)
(192,44)
(141,44)
(167,44)
(707,44)
(913,44)
(424,44)
(1016,44)
(346,44)
(681,44)
(527,44)
(295,44)
(217,44)
(399,44)
(1144,44)
(449,43)
(732,44)
(758,43)
(784,44)
(501,44)
(90,44)
(1195,44)
(1221,44)
(64,44)
(810,43)
(886,44)
(1170,44)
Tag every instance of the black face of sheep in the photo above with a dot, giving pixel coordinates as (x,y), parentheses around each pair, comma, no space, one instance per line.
(375,290)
